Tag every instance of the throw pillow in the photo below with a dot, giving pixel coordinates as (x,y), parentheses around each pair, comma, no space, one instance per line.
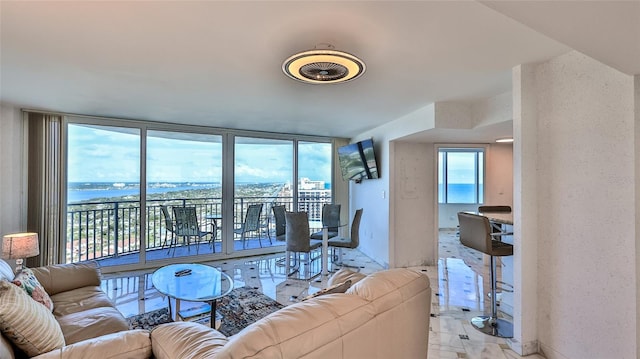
(343,275)
(26,323)
(337,288)
(28,281)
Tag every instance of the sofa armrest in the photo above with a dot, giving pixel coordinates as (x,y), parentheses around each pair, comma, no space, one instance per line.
(121,345)
(64,277)
(186,340)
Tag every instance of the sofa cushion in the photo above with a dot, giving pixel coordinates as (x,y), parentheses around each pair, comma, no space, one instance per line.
(28,282)
(65,277)
(27,323)
(5,271)
(186,340)
(91,323)
(78,300)
(121,345)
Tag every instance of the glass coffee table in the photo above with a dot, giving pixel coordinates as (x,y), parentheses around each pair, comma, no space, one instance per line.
(193,283)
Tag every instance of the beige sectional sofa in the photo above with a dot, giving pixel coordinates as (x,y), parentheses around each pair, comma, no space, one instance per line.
(382,315)
(90,325)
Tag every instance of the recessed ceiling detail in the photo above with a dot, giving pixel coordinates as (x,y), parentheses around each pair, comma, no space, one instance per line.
(323,66)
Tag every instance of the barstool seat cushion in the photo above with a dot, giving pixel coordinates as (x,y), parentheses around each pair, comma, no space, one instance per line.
(500,249)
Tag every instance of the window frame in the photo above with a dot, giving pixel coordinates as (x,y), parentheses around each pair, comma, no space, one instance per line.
(480,176)
(228,163)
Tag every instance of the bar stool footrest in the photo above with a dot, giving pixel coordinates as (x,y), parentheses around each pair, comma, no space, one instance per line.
(496,327)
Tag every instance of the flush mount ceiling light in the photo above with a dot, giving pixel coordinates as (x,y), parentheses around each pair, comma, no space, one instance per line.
(323,66)
(502,140)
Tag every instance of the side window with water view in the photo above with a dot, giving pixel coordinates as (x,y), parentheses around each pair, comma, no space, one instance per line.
(461,175)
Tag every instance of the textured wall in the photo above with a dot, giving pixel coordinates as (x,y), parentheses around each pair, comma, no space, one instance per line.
(586,209)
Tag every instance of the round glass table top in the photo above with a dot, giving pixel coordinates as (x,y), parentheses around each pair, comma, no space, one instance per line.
(203,283)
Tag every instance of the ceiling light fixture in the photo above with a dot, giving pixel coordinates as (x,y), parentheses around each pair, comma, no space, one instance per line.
(502,140)
(323,66)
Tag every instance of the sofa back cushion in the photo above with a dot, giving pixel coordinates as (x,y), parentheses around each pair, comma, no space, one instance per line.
(64,277)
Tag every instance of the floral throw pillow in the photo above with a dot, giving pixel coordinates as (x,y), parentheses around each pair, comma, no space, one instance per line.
(28,281)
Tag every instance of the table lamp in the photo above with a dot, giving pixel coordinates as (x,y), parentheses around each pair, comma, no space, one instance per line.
(19,246)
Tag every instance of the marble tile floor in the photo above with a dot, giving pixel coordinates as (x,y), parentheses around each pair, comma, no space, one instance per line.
(457,284)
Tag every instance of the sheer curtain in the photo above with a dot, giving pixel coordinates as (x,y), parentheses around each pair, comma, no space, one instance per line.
(44,186)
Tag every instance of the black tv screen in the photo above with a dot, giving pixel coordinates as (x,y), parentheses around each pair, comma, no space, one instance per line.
(358,161)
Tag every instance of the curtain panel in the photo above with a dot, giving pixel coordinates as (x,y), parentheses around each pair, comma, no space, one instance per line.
(44,186)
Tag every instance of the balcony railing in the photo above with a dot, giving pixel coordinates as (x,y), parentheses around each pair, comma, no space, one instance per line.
(97,230)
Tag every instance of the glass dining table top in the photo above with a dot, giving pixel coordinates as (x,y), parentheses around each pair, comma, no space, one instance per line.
(203,283)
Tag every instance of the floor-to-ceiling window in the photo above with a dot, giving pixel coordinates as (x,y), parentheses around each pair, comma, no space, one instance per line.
(263,172)
(132,185)
(314,178)
(184,194)
(103,193)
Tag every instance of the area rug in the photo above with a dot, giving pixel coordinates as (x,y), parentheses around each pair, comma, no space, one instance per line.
(240,308)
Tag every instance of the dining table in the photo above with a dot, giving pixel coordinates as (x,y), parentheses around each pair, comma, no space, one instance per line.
(325,241)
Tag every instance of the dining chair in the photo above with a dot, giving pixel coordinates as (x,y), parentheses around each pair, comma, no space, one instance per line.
(351,242)
(476,233)
(281,225)
(187,226)
(330,218)
(251,223)
(299,243)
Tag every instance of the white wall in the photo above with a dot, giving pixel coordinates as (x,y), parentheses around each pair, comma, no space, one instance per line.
(412,230)
(584,114)
(376,240)
(499,175)
(12,186)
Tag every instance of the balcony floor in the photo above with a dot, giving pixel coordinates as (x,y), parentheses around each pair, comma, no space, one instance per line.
(182,250)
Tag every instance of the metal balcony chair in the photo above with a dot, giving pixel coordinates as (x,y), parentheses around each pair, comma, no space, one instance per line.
(169,227)
(476,233)
(331,219)
(281,225)
(251,223)
(187,226)
(351,242)
(299,243)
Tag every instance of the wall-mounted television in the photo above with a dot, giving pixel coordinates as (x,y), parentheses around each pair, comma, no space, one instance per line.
(358,161)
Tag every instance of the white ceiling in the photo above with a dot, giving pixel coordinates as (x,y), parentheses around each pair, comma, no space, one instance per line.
(218,63)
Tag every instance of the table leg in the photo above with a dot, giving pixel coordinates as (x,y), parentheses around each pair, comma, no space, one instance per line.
(325,250)
(213,305)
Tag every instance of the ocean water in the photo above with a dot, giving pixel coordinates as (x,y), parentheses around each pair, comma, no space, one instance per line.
(460,193)
(87,191)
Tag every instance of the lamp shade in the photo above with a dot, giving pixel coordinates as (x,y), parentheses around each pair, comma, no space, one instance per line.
(20,245)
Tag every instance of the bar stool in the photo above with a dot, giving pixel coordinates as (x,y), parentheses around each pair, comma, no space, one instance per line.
(475,233)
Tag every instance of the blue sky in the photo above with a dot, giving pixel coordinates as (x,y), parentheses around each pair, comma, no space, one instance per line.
(98,155)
